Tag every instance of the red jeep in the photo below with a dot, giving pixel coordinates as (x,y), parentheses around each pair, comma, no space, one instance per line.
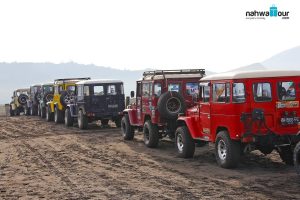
(241,112)
(160,96)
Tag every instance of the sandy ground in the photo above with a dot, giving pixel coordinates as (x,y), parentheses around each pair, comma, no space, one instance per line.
(43,160)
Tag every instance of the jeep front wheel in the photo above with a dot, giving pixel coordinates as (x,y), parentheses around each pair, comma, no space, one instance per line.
(58,116)
(286,154)
(127,129)
(11,112)
(184,142)
(49,114)
(68,118)
(151,137)
(43,112)
(227,151)
(297,158)
(82,120)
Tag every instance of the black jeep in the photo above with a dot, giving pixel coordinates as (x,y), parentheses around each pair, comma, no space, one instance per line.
(96,100)
(46,96)
(31,107)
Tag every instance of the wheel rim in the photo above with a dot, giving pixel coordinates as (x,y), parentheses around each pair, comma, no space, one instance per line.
(179,142)
(68,99)
(222,150)
(23,100)
(173,105)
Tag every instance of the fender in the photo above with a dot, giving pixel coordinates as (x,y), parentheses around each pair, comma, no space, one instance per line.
(83,109)
(192,124)
(51,105)
(72,108)
(132,116)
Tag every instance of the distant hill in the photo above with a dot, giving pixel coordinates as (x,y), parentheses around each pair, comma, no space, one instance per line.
(286,60)
(22,75)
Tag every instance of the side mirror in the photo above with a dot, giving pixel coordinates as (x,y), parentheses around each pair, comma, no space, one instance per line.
(132,94)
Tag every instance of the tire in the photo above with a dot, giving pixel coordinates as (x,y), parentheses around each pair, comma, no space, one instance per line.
(11,112)
(22,99)
(184,142)
(26,111)
(297,158)
(68,118)
(82,120)
(43,112)
(170,104)
(118,122)
(66,98)
(286,154)
(39,110)
(127,129)
(49,114)
(104,122)
(58,116)
(227,151)
(32,111)
(151,137)
(48,96)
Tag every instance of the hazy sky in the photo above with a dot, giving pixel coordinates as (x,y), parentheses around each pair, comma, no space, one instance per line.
(137,34)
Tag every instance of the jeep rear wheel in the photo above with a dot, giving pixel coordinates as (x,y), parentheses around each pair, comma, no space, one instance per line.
(227,151)
(286,154)
(49,114)
(68,118)
(39,110)
(127,129)
(82,120)
(184,142)
(11,112)
(58,116)
(118,122)
(297,158)
(170,104)
(26,111)
(43,112)
(151,137)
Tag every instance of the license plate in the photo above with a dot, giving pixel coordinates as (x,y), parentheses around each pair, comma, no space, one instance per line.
(289,120)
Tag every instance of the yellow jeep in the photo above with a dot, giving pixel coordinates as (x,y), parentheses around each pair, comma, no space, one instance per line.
(64,93)
(18,101)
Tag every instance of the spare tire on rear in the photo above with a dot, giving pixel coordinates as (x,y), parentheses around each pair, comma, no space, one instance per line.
(170,104)
(48,96)
(22,99)
(66,98)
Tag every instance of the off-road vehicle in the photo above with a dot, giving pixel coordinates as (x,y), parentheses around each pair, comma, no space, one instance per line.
(160,96)
(46,96)
(31,107)
(241,112)
(96,100)
(64,93)
(19,100)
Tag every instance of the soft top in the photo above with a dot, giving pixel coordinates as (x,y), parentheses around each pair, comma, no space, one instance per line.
(251,74)
(98,81)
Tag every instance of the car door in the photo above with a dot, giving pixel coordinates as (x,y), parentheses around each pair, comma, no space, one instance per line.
(205,110)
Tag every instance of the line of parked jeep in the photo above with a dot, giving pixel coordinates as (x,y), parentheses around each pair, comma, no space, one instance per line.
(239,111)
